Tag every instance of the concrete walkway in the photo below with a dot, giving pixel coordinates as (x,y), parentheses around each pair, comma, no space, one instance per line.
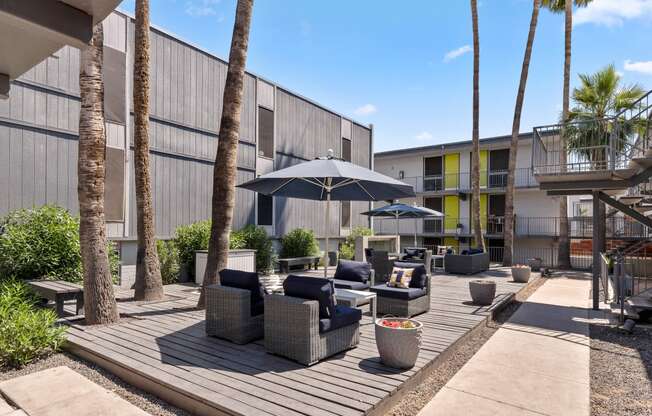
(536,364)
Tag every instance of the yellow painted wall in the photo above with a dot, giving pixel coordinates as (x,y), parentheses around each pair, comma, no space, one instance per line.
(451,170)
(451,241)
(484,206)
(484,167)
(451,212)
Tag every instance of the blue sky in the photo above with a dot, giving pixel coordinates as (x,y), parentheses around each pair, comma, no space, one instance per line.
(386,63)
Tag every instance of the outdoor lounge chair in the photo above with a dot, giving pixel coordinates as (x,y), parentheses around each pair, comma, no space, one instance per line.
(356,275)
(405,302)
(305,325)
(417,255)
(234,308)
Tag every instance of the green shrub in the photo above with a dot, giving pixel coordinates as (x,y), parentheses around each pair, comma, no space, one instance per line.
(190,238)
(300,242)
(347,248)
(43,243)
(237,240)
(26,332)
(168,257)
(256,238)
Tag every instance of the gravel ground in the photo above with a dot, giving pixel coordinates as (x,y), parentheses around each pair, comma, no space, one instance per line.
(137,397)
(416,399)
(621,371)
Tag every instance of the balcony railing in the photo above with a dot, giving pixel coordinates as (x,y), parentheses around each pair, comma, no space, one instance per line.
(605,144)
(461,181)
(579,227)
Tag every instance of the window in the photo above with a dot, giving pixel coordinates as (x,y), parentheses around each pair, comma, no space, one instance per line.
(346,149)
(345,214)
(265,210)
(265,132)
(432,166)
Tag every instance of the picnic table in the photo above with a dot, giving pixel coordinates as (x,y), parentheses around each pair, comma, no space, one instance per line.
(286,263)
(58,291)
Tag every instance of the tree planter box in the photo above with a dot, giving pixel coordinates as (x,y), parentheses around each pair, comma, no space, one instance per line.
(244,260)
(483,292)
(521,274)
(398,347)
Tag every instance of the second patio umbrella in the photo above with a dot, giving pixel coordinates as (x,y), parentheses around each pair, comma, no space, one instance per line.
(399,211)
(329,179)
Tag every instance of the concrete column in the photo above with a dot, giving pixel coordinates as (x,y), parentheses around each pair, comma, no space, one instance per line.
(599,245)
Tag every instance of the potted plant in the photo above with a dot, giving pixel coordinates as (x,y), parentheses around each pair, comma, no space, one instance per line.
(521,273)
(535,264)
(483,292)
(398,341)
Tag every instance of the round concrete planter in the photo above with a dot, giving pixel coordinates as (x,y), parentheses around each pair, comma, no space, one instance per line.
(398,347)
(482,291)
(521,274)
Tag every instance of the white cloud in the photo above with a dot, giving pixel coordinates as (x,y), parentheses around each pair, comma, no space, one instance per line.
(200,8)
(644,67)
(365,110)
(456,53)
(613,12)
(424,136)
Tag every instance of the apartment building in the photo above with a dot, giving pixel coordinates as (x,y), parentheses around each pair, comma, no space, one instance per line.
(441,176)
(39,133)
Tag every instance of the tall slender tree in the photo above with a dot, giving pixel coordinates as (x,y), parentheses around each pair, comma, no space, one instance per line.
(566,7)
(149,284)
(224,171)
(508,253)
(475,162)
(100,306)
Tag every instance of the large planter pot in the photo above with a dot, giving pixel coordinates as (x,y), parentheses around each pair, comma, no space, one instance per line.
(521,274)
(483,292)
(535,264)
(332,258)
(398,347)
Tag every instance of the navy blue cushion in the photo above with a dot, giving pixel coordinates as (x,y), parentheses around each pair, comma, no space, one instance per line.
(398,292)
(476,251)
(243,280)
(344,316)
(355,271)
(465,252)
(419,275)
(348,284)
(449,251)
(312,288)
(411,252)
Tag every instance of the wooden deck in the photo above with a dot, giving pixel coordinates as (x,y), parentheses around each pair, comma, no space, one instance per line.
(161,348)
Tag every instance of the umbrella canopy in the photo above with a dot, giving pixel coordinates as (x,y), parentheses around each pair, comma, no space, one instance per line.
(326,179)
(399,211)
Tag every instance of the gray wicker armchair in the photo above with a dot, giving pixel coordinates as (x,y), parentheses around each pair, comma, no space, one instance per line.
(294,329)
(235,313)
(405,302)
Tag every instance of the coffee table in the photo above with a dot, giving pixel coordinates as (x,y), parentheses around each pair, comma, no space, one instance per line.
(355,298)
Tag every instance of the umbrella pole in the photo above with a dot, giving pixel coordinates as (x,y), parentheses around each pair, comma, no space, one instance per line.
(398,243)
(415,232)
(328,213)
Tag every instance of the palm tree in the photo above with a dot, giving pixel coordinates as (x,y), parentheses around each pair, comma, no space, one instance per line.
(224,171)
(100,306)
(475,165)
(513,148)
(149,284)
(566,7)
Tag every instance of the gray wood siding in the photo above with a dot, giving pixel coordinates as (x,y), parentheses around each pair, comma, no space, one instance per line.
(182,191)
(360,155)
(303,129)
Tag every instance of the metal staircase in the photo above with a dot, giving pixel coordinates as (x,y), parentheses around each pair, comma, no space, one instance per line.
(611,159)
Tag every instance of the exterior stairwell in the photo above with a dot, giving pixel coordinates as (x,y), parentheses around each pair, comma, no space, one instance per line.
(611,159)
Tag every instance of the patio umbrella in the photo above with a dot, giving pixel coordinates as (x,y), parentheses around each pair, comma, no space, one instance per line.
(399,211)
(329,179)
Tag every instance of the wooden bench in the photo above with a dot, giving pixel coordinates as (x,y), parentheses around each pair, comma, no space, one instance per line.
(310,261)
(58,291)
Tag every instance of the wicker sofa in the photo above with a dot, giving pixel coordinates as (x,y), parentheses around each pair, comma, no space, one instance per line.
(355,275)
(235,307)
(405,302)
(305,325)
(417,255)
(466,263)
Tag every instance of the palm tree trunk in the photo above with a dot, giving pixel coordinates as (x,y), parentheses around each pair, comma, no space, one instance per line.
(224,171)
(149,285)
(513,148)
(475,165)
(563,256)
(100,306)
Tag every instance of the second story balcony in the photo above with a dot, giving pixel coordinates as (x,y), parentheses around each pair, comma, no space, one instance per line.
(461,181)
